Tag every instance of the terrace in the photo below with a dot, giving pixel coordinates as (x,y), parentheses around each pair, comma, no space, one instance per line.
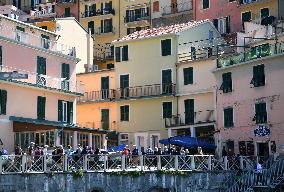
(138,92)
(233,57)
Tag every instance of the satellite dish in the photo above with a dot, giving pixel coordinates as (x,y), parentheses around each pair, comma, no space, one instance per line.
(58,27)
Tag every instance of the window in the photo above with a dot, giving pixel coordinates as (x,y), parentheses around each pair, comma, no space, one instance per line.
(45,42)
(232,0)
(188,75)
(167,86)
(260,113)
(258,76)
(65,75)
(246,16)
(227,82)
(83,139)
(167,110)
(166,47)
(41,71)
(44,27)
(124,113)
(193,53)
(67,12)
(91,27)
(124,85)
(3,101)
(156,6)
(189,111)
(264,12)
(228,117)
(222,24)
(106,26)
(121,53)
(1,57)
(65,111)
(105,119)
(124,138)
(205,4)
(66,138)
(41,107)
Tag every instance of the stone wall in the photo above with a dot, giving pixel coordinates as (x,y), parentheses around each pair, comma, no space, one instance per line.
(105,182)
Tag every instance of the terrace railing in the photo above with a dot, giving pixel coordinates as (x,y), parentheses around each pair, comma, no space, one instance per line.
(118,162)
(154,90)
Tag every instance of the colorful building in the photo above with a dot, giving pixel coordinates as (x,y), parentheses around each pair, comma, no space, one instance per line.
(225,14)
(250,98)
(67,8)
(41,107)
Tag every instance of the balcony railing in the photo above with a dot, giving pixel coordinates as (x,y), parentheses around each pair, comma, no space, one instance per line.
(197,55)
(137,92)
(36,41)
(43,13)
(65,1)
(133,18)
(198,117)
(246,2)
(99,125)
(105,30)
(177,8)
(43,81)
(250,54)
(98,12)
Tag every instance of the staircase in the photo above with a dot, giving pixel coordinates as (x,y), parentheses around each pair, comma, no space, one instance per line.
(268,180)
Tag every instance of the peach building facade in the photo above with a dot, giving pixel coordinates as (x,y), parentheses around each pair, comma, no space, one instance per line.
(41,107)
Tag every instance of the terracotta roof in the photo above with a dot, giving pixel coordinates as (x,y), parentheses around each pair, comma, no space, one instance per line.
(172,29)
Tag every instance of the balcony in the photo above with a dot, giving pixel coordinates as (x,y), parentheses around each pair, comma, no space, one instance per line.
(65,3)
(99,125)
(36,41)
(98,12)
(137,20)
(250,54)
(105,30)
(43,13)
(248,2)
(44,81)
(177,8)
(195,55)
(138,92)
(196,118)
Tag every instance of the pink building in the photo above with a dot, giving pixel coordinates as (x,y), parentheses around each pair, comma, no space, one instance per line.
(250,102)
(67,8)
(225,14)
(42,107)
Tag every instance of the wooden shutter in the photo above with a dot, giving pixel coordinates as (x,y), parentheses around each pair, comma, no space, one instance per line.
(167,109)
(188,75)
(41,65)
(228,25)
(70,112)
(228,117)
(60,110)
(193,53)
(1,63)
(41,107)
(125,53)
(117,54)
(3,101)
(227,82)
(127,19)
(189,111)
(65,71)
(102,26)
(166,47)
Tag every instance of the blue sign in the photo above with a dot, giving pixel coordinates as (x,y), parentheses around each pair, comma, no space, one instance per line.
(261,131)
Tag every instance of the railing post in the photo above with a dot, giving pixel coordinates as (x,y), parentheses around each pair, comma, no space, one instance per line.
(65,162)
(176,162)
(45,163)
(226,162)
(241,162)
(24,163)
(141,162)
(85,162)
(159,165)
(1,163)
(105,162)
(210,162)
(123,163)
(192,162)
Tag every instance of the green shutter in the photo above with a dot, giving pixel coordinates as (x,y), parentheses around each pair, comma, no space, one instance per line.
(65,71)
(189,111)
(188,75)
(167,110)
(261,113)
(3,101)
(125,53)
(166,47)
(1,62)
(70,112)
(258,76)
(41,65)
(228,117)
(117,54)
(60,116)
(41,107)
(227,82)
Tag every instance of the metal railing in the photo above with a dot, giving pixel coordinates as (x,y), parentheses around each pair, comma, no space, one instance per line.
(129,19)
(129,92)
(269,178)
(246,2)
(37,41)
(99,125)
(104,30)
(198,117)
(115,162)
(98,12)
(43,13)
(177,8)
(249,54)
(65,1)
(44,81)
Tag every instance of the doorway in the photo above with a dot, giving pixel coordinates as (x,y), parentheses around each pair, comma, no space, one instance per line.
(262,150)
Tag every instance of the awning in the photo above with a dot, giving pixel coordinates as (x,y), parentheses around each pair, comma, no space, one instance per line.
(188,142)
(117,148)
(29,124)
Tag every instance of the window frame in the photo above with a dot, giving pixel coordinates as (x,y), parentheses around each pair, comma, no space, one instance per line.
(190,81)
(203,5)
(222,86)
(163,109)
(255,113)
(232,124)
(120,113)
(161,47)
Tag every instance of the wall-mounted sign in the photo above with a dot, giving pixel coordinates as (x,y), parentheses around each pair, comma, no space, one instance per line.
(261,131)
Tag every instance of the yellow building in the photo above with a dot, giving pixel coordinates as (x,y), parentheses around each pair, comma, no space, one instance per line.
(257,10)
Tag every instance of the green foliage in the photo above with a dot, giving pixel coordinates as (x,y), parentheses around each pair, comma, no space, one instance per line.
(78,173)
(171,172)
(127,173)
